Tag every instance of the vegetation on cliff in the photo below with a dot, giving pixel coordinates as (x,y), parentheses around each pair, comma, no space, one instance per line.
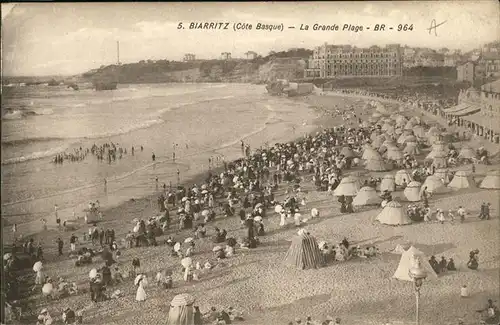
(259,69)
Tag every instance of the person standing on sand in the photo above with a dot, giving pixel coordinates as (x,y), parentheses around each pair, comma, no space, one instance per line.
(141,284)
(14,229)
(461,213)
(60,245)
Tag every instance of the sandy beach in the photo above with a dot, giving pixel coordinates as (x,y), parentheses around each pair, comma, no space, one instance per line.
(267,292)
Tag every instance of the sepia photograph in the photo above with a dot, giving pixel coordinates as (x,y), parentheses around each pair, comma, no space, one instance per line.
(252,163)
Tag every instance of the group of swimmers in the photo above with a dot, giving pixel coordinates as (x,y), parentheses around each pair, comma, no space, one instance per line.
(109,151)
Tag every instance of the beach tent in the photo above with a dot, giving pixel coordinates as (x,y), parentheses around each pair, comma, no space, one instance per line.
(410,124)
(402,175)
(349,186)
(434,185)
(466,153)
(367,196)
(462,180)
(412,191)
(181,310)
(439,145)
(369,153)
(379,140)
(375,134)
(419,131)
(377,165)
(415,119)
(393,153)
(408,260)
(393,214)
(443,174)
(388,183)
(347,152)
(411,148)
(436,153)
(410,138)
(387,126)
(440,160)
(492,180)
(432,131)
(304,252)
(402,138)
(399,249)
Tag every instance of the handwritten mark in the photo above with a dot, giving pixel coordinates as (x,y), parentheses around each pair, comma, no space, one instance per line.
(434,26)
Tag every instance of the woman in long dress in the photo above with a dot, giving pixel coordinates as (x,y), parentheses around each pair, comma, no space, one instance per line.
(282,219)
(141,293)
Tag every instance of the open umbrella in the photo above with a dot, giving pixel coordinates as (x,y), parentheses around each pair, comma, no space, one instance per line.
(258,218)
(186,262)
(7,256)
(205,213)
(278,208)
(258,205)
(204,187)
(138,278)
(184,199)
(216,249)
(188,240)
(93,273)
(204,192)
(37,266)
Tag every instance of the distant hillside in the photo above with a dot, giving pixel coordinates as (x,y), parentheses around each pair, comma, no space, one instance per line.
(286,64)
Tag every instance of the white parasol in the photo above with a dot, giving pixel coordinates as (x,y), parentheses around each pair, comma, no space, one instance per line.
(204,192)
(47,289)
(37,266)
(258,205)
(186,262)
(205,213)
(184,199)
(138,278)
(188,240)
(7,256)
(204,187)
(216,249)
(278,208)
(258,218)
(93,273)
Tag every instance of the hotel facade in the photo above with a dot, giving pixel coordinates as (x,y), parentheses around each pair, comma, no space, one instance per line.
(337,61)
(478,111)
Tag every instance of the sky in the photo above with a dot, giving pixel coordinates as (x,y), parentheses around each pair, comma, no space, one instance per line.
(69,38)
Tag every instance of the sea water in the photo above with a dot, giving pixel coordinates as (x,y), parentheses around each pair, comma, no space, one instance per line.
(196,121)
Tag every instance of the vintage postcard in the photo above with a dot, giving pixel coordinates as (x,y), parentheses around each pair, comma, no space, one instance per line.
(295,163)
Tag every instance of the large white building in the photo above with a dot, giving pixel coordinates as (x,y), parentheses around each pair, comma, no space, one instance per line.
(334,61)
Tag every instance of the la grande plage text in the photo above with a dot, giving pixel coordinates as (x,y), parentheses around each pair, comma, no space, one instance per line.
(302,27)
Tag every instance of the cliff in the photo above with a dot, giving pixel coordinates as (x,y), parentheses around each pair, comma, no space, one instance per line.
(287,64)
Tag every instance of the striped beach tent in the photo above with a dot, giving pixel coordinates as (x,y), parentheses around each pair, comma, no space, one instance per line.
(181,310)
(304,252)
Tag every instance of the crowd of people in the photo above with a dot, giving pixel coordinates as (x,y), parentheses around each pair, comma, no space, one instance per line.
(245,189)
